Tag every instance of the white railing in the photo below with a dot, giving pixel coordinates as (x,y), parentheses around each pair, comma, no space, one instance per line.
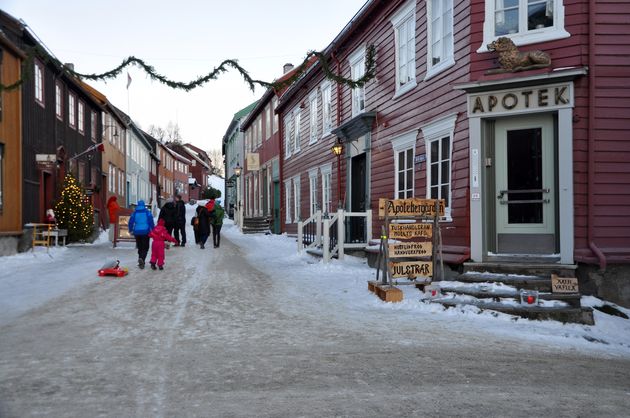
(329,234)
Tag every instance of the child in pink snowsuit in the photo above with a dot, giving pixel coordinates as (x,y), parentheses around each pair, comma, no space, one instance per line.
(159,235)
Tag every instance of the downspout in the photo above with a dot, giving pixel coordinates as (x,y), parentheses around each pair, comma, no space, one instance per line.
(338,85)
(591,138)
(281,168)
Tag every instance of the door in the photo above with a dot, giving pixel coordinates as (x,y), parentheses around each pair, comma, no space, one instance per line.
(525,185)
(276,207)
(358,191)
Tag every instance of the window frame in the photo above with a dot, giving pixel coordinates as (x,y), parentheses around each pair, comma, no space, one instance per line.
(297,130)
(326,173)
(403,144)
(437,131)
(93,123)
(81,117)
(527,37)
(313,118)
(59,102)
(449,60)
(288,137)
(357,59)
(72,110)
(326,89)
(406,14)
(296,199)
(287,201)
(312,183)
(38,82)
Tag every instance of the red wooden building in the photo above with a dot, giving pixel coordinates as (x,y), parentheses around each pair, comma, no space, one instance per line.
(531,163)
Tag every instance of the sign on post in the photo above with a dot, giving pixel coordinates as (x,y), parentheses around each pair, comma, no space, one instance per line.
(411,249)
(406,231)
(397,208)
(411,269)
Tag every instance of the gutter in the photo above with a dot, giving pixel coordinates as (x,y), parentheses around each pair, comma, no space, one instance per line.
(591,139)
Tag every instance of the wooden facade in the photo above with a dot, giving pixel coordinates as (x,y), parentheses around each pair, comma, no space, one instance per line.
(199,168)
(10,140)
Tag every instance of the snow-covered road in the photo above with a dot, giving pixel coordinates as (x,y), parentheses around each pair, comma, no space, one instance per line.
(253,329)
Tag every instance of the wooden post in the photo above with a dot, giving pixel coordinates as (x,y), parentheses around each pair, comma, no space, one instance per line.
(318,228)
(300,237)
(368,221)
(326,243)
(341,223)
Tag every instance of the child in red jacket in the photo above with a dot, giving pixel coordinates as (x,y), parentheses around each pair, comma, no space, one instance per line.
(159,235)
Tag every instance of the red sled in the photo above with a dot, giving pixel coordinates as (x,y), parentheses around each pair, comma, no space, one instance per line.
(113,269)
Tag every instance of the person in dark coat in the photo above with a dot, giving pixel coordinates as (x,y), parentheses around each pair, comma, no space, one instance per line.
(169,214)
(217,222)
(194,221)
(140,225)
(180,221)
(203,225)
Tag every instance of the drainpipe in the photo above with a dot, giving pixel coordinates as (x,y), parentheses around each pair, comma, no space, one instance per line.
(591,138)
(281,167)
(338,85)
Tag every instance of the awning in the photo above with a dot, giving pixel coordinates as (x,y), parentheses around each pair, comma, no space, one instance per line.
(355,127)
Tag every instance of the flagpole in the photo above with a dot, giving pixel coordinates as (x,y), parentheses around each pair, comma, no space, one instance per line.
(128,103)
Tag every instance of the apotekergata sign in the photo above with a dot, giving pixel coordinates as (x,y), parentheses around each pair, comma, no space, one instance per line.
(395,208)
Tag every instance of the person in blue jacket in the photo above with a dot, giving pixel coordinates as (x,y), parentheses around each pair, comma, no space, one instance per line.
(140,224)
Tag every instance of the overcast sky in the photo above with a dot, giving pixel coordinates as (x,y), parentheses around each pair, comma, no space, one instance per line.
(182,40)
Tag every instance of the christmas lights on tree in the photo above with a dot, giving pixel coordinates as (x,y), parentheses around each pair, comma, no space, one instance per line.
(74,210)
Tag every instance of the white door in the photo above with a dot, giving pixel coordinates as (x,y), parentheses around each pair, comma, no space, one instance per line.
(525,185)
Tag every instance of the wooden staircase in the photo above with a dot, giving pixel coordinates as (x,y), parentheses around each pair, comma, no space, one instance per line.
(256,225)
(497,287)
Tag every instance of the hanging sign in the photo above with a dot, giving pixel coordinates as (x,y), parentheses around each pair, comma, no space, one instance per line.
(405,231)
(411,269)
(411,249)
(409,207)
(253,161)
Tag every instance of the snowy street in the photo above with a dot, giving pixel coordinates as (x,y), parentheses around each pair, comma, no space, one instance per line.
(254,329)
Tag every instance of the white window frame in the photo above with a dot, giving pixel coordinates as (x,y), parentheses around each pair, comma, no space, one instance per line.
(524,37)
(313,116)
(58,100)
(38,70)
(402,144)
(447,47)
(287,202)
(297,131)
(268,122)
(93,119)
(274,105)
(72,110)
(326,174)
(404,23)
(312,182)
(81,117)
(296,199)
(326,89)
(288,137)
(436,131)
(357,70)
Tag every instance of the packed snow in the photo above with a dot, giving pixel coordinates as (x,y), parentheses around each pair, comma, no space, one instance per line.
(32,279)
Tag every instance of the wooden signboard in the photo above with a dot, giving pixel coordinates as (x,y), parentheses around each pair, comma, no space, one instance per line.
(406,231)
(398,208)
(564,284)
(411,269)
(411,249)
(121,231)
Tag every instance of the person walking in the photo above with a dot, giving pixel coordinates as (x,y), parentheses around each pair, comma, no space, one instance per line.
(169,214)
(140,225)
(180,221)
(112,208)
(203,225)
(217,222)
(159,235)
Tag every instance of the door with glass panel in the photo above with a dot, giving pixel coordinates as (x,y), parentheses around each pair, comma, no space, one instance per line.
(525,188)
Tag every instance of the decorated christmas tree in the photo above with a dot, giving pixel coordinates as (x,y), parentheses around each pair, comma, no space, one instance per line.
(74,211)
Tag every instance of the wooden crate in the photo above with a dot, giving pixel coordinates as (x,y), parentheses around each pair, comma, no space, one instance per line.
(388,293)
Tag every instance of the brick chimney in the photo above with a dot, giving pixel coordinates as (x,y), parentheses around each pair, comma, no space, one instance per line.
(287,67)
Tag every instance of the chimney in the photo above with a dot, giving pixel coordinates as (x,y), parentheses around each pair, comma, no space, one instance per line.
(69,66)
(287,67)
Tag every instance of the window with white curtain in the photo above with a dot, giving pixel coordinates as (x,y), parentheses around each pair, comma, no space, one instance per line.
(326,173)
(296,199)
(313,116)
(326,108)
(312,182)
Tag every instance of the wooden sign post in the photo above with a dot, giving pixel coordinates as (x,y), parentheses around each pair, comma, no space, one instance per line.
(407,219)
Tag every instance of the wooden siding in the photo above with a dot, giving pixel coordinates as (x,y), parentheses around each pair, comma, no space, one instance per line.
(11,139)
(428,101)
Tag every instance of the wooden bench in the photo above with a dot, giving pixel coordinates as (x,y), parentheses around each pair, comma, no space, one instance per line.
(56,233)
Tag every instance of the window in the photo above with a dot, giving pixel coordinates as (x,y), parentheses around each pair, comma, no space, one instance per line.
(288,137)
(1,177)
(296,199)
(93,117)
(110,178)
(259,132)
(438,137)
(313,118)
(58,101)
(404,150)
(523,21)
(357,70)
(404,22)
(326,108)
(439,36)
(312,182)
(274,104)
(297,120)
(72,116)
(287,201)
(326,181)
(268,122)
(38,71)
(81,116)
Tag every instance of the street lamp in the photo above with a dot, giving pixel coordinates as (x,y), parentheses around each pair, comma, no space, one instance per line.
(237,172)
(337,150)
